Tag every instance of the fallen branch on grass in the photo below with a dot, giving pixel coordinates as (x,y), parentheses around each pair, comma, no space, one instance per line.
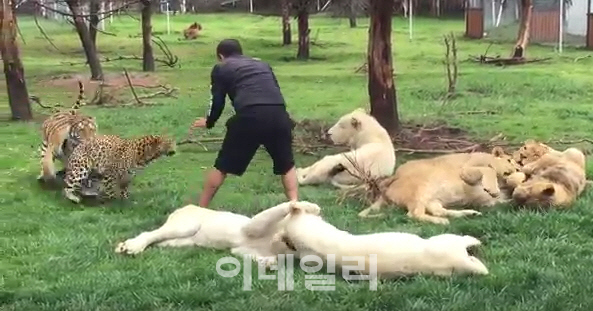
(502,61)
(166,62)
(474,112)
(37,100)
(362,68)
(138,100)
(582,57)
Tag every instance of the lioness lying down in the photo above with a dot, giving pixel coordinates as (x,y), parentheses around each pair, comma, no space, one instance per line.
(431,185)
(192,225)
(548,177)
(397,253)
(370,148)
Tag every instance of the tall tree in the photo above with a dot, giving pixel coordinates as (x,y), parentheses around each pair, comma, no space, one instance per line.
(302,12)
(352,12)
(147,54)
(286,33)
(85,38)
(95,8)
(381,84)
(18,97)
(524,28)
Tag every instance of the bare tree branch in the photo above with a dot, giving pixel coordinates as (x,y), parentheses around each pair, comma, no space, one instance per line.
(105,14)
(45,35)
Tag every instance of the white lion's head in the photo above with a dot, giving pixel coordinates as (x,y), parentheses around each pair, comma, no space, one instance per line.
(348,127)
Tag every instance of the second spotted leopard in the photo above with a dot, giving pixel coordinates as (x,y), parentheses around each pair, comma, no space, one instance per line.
(115,159)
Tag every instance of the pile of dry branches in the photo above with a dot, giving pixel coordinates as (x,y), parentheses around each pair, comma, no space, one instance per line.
(502,61)
(368,191)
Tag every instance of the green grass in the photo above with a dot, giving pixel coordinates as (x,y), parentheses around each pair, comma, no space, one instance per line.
(58,256)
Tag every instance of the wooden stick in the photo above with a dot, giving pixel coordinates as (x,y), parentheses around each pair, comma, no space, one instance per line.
(132,87)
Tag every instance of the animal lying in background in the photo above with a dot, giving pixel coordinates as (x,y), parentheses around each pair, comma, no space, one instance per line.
(397,253)
(197,226)
(371,151)
(115,159)
(61,133)
(192,31)
(431,185)
(548,178)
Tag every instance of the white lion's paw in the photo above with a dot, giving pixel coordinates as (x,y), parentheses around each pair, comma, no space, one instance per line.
(130,247)
(471,212)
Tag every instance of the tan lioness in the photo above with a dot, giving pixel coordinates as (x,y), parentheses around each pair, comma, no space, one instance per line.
(431,185)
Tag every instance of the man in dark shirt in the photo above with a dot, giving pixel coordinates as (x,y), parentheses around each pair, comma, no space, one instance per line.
(260,119)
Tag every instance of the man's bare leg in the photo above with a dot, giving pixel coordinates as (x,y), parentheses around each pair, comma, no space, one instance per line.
(214,179)
(291,186)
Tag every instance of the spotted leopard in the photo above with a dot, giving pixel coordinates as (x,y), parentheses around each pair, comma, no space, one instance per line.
(115,160)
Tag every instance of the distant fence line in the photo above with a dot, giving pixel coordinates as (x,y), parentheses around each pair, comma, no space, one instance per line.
(266,7)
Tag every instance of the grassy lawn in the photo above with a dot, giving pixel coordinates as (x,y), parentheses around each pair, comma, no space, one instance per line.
(58,256)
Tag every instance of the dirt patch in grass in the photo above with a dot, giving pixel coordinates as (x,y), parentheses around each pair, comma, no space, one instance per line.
(413,138)
(112,80)
(115,86)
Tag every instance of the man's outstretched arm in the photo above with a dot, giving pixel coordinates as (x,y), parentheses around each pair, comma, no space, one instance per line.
(218,94)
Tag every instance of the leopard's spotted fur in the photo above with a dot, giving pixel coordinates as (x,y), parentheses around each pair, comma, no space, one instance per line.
(115,159)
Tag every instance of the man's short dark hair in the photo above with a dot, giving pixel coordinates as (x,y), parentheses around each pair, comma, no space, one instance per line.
(229,47)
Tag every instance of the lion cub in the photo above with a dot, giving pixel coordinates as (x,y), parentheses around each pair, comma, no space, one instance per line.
(531,151)
(430,185)
(552,178)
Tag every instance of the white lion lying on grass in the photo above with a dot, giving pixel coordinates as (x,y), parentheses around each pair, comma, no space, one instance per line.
(192,225)
(371,152)
(398,253)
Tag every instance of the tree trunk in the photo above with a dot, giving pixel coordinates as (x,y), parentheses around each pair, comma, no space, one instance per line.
(147,55)
(381,84)
(525,25)
(95,8)
(286,33)
(352,13)
(435,9)
(85,38)
(18,97)
(303,27)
